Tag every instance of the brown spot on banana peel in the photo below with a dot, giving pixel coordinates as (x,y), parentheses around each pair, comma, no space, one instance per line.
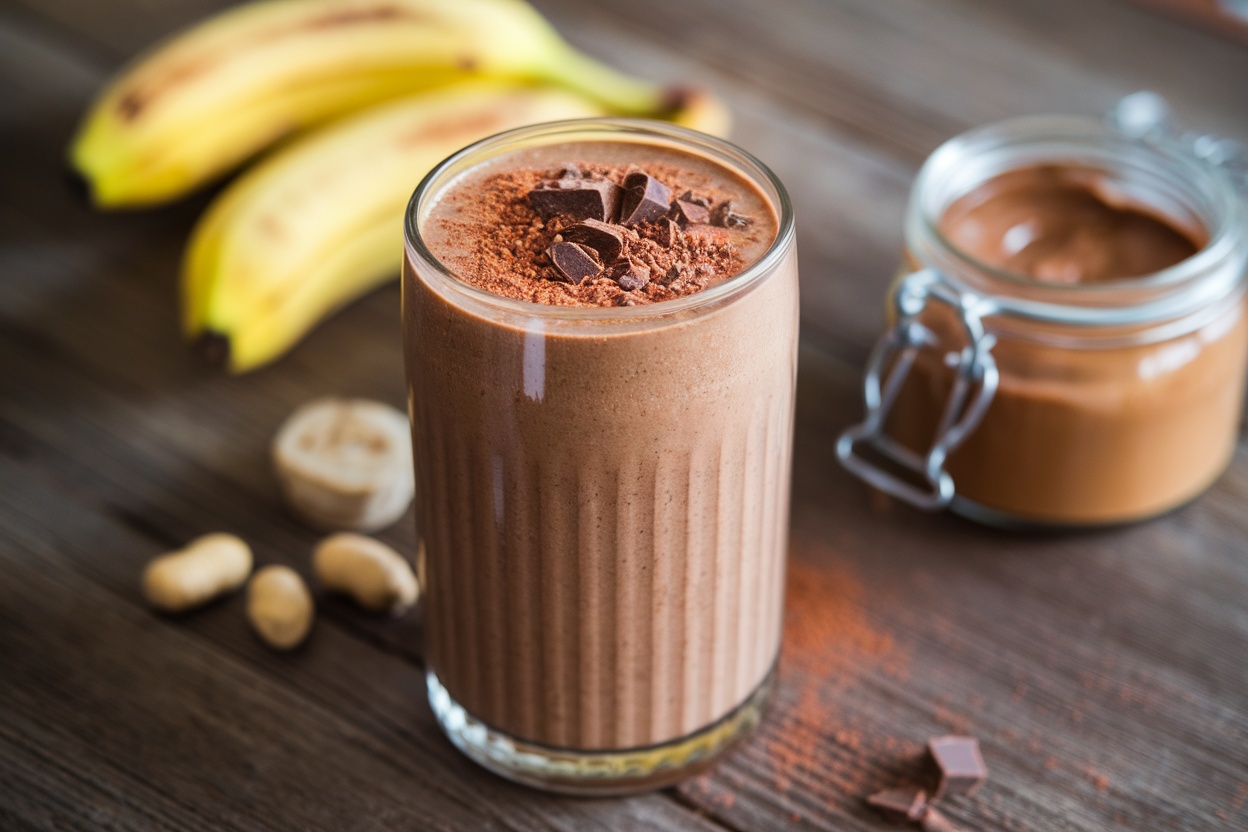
(675,98)
(347,17)
(78,184)
(271,227)
(214,348)
(133,104)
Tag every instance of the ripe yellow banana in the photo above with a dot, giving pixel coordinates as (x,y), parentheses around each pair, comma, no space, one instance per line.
(197,105)
(320,222)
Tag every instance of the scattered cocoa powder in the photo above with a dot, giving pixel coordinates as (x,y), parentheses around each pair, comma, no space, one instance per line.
(509,257)
(808,743)
(826,635)
(1099,780)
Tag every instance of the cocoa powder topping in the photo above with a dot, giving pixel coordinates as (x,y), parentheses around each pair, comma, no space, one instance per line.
(592,234)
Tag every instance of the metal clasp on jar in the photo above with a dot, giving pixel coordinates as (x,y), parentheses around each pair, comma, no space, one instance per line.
(973,388)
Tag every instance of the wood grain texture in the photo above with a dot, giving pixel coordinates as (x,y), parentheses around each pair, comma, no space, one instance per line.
(1105,674)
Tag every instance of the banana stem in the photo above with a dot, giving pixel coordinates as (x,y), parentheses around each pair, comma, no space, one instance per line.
(618,92)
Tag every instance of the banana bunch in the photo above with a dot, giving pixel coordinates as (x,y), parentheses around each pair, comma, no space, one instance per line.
(398,85)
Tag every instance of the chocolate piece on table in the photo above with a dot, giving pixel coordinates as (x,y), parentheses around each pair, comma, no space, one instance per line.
(575,262)
(630,275)
(690,196)
(583,199)
(645,199)
(600,236)
(690,213)
(933,821)
(726,216)
(900,804)
(962,769)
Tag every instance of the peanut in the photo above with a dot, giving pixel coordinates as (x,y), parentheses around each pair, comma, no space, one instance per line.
(207,567)
(377,577)
(279,607)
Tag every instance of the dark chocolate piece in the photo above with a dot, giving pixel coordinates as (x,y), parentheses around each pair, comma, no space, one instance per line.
(934,821)
(582,199)
(962,769)
(600,236)
(690,196)
(690,213)
(630,275)
(725,216)
(645,199)
(575,262)
(900,805)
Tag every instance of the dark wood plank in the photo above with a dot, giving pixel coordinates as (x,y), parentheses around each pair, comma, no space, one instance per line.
(1104,673)
(906,74)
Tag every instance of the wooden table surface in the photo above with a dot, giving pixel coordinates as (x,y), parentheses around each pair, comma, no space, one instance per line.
(1105,674)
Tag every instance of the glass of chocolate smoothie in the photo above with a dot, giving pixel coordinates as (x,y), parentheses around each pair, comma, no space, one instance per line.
(601,321)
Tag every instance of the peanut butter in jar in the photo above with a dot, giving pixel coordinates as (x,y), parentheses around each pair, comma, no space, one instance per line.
(1068,343)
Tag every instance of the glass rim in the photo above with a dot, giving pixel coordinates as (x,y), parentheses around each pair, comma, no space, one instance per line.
(589,129)
(1073,302)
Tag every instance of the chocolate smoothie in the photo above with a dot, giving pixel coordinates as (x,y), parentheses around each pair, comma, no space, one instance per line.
(601,349)
(1099,425)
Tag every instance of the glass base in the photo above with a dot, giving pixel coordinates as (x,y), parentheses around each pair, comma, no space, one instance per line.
(594,773)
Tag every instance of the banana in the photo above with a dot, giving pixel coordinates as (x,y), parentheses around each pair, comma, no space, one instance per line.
(212,96)
(345,464)
(320,222)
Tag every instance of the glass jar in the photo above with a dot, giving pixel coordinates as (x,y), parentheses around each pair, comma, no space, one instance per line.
(1020,402)
(602,493)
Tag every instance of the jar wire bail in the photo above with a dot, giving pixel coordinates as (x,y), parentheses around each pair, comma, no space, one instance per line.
(890,363)
(1145,115)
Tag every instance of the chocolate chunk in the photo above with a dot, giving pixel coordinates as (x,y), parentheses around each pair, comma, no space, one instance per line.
(726,216)
(901,804)
(690,213)
(690,196)
(630,275)
(600,236)
(934,821)
(575,262)
(583,199)
(645,199)
(962,769)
